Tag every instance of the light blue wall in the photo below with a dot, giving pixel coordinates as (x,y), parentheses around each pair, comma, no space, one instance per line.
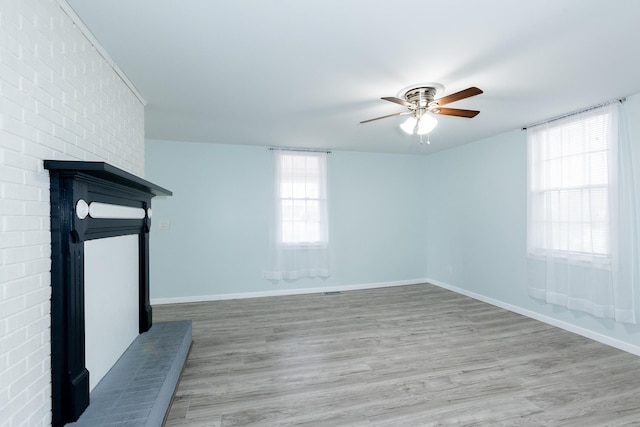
(377,229)
(477,223)
(218,239)
(477,216)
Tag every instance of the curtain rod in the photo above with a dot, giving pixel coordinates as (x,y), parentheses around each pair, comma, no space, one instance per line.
(311,150)
(584,110)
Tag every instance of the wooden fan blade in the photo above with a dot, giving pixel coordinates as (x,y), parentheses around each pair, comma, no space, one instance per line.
(398,101)
(456,112)
(387,116)
(472,91)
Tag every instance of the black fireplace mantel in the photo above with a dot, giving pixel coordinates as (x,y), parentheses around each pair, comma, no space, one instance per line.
(75,186)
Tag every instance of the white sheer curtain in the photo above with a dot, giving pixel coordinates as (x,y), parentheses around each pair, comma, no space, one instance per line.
(581,219)
(300,226)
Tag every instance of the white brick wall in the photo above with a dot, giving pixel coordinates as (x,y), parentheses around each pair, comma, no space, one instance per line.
(60,98)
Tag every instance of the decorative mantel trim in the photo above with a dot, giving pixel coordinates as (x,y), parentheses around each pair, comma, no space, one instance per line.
(75,186)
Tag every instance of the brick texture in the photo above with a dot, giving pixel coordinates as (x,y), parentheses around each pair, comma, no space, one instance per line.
(59,99)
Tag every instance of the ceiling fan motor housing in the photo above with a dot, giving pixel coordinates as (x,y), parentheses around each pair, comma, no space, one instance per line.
(422,98)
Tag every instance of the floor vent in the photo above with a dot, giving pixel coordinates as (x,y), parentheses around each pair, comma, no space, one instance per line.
(332,293)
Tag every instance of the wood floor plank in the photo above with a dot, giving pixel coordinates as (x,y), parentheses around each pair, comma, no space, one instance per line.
(404,356)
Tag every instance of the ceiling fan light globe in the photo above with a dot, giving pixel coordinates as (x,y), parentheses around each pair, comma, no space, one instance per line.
(409,125)
(427,124)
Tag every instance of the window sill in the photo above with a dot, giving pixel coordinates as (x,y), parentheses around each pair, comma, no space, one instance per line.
(292,246)
(576,258)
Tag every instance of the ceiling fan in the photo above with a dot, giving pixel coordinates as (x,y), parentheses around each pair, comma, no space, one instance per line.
(419,99)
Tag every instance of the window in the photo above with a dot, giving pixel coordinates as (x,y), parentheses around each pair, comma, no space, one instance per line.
(302,198)
(582,227)
(569,186)
(299,232)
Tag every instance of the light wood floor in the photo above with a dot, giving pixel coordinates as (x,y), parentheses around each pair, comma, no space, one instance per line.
(403,356)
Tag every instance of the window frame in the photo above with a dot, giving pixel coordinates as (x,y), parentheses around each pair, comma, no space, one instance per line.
(320,198)
(538,247)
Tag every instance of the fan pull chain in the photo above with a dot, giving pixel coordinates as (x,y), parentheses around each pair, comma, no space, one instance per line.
(422,141)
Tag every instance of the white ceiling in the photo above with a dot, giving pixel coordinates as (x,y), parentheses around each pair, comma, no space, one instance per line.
(304,73)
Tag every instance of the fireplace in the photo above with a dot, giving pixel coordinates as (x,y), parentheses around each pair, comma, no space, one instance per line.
(91,201)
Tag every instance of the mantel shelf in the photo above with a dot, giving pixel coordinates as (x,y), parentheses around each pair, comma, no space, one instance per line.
(107,172)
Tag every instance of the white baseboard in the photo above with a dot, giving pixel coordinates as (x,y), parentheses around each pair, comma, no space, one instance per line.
(283,292)
(613,342)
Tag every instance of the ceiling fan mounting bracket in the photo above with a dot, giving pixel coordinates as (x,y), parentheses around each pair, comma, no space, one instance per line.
(439,88)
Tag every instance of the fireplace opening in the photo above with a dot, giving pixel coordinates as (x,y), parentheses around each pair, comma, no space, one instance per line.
(111,271)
